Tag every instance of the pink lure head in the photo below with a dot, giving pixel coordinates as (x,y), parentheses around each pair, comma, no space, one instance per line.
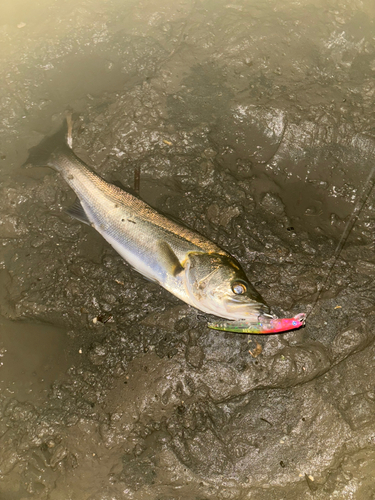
(283,324)
(263,325)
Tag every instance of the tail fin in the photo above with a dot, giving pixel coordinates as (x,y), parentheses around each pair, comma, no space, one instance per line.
(50,150)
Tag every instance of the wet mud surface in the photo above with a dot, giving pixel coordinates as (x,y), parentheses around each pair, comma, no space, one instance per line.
(252,123)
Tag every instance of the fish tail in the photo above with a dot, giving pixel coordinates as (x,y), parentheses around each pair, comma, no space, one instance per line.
(51,150)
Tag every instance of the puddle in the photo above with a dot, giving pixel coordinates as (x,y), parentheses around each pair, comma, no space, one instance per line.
(33,356)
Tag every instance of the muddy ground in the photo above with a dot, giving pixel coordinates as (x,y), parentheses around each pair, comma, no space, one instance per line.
(254,123)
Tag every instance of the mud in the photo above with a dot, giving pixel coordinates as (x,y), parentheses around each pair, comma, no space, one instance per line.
(253,123)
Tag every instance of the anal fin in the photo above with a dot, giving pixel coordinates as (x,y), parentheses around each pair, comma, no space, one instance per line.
(77,212)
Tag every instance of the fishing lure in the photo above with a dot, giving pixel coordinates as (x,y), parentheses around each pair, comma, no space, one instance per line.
(264,325)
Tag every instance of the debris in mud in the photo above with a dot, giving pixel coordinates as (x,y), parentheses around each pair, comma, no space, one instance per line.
(311,483)
(256,351)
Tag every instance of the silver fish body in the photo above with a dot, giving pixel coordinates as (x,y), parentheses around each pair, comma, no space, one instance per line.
(185,263)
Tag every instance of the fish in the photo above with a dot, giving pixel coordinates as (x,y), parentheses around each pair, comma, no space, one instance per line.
(181,260)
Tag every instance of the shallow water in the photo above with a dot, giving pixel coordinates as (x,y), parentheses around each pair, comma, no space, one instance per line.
(253,124)
(33,357)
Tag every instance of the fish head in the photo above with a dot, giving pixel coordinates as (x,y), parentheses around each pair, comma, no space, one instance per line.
(218,285)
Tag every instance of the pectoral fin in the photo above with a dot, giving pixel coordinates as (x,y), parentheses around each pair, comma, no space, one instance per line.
(169,259)
(77,212)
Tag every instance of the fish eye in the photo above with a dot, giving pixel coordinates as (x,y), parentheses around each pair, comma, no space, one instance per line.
(239,287)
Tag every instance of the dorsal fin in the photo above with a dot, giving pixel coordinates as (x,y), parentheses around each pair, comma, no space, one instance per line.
(127,189)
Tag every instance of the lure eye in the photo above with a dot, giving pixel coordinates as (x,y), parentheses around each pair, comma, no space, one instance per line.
(239,288)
